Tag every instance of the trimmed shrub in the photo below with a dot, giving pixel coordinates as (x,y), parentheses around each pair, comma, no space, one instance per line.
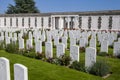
(30,54)
(50,60)
(2,45)
(56,61)
(40,56)
(21,52)
(64,60)
(82,49)
(102,54)
(11,48)
(78,66)
(30,49)
(100,68)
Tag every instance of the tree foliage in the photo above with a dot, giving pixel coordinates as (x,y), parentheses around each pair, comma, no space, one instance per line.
(22,6)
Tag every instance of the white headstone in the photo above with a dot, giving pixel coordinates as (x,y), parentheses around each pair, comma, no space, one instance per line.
(60,49)
(10,34)
(4,69)
(93,42)
(38,47)
(72,41)
(21,43)
(15,35)
(2,33)
(90,57)
(43,37)
(20,72)
(7,40)
(110,39)
(65,33)
(82,43)
(49,37)
(116,50)
(30,35)
(74,53)
(29,44)
(118,39)
(6,34)
(36,38)
(48,50)
(64,41)
(56,40)
(104,46)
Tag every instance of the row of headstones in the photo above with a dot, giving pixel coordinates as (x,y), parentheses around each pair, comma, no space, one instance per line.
(74,49)
(90,54)
(74,52)
(83,41)
(20,71)
(104,39)
(37,34)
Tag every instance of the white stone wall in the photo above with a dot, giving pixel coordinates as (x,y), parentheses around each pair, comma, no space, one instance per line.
(20,22)
(116,22)
(39,22)
(53,23)
(104,22)
(45,22)
(61,23)
(94,22)
(84,22)
(7,21)
(76,23)
(32,22)
(2,22)
(26,22)
(14,22)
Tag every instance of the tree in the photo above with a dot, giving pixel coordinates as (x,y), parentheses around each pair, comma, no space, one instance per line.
(22,6)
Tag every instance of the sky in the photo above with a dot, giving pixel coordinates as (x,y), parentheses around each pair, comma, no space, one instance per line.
(68,5)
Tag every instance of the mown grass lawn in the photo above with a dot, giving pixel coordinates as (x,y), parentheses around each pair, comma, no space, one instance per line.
(39,70)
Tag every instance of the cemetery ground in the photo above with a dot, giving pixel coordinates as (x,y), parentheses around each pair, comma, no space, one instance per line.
(40,70)
(41,54)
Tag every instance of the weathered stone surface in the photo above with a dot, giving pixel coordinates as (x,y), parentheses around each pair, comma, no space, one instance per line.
(4,69)
(20,72)
(38,47)
(90,57)
(64,41)
(21,43)
(74,53)
(116,50)
(48,50)
(60,49)
(104,46)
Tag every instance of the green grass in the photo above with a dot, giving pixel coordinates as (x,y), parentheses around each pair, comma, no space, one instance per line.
(39,70)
